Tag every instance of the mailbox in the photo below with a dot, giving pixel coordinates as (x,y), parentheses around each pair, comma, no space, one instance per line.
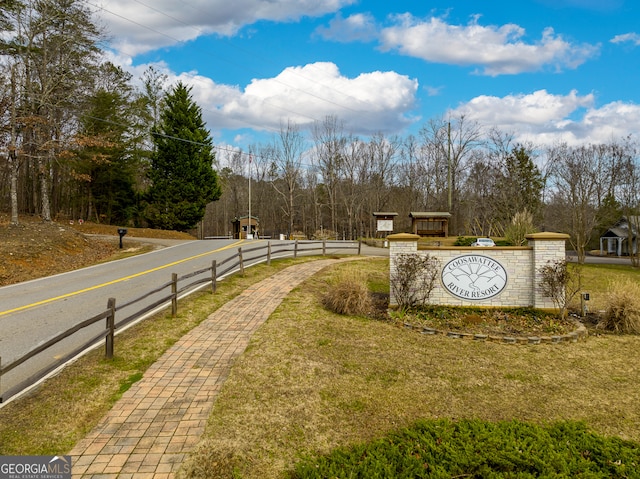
(584,297)
(122,232)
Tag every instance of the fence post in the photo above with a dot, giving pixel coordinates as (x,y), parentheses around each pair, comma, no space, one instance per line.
(324,247)
(295,249)
(241,262)
(174,295)
(269,253)
(214,276)
(111,327)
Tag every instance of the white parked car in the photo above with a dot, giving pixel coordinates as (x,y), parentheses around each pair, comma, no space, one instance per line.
(483,242)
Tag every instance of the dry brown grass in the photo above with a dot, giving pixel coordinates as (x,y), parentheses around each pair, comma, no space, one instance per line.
(348,294)
(622,311)
(33,249)
(112,230)
(311,381)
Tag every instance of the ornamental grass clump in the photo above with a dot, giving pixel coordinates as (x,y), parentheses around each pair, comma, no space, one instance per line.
(622,308)
(349,294)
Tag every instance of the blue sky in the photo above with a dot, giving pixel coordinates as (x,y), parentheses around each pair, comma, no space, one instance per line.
(543,70)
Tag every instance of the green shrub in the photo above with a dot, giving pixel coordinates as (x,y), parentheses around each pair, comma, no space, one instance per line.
(622,308)
(349,294)
(464,240)
(473,448)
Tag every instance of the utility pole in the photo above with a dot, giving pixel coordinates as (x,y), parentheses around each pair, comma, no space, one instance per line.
(449,162)
(249,222)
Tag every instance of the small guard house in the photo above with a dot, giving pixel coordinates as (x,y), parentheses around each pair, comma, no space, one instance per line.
(243,228)
(430,223)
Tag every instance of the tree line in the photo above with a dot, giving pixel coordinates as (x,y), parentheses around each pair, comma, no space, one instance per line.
(81,138)
(329,182)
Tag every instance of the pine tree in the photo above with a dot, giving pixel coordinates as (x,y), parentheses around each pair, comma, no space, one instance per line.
(519,187)
(107,160)
(182,178)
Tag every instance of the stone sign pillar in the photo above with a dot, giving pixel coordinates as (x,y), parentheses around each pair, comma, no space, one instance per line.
(548,248)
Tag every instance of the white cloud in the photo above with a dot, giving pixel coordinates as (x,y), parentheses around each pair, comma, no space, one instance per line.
(627,37)
(613,120)
(358,27)
(544,118)
(496,49)
(138,27)
(368,103)
(536,109)
(433,90)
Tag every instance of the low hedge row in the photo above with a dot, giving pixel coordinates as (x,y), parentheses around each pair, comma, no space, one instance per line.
(479,449)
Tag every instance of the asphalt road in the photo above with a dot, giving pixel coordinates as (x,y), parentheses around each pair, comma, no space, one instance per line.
(593,259)
(35,311)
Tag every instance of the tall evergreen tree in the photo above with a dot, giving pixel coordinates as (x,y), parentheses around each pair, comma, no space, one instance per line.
(7,12)
(182,177)
(519,186)
(107,159)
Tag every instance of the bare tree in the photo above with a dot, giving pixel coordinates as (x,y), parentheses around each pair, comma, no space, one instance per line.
(381,158)
(450,147)
(433,156)
(10,137)
(54,45)
(351,184)
(233,201)
(628,192)
(288,149)
(574,177)
(414,187)
(330,142)
(313,202)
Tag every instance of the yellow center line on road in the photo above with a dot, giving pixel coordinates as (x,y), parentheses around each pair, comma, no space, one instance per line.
(119,280)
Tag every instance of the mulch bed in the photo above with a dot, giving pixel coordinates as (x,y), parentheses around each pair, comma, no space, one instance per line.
(492,322)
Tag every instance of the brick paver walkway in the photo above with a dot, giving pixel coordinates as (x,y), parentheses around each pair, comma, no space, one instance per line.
(159,420)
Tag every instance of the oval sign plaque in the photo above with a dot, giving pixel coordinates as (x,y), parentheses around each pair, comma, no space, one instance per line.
(474,277)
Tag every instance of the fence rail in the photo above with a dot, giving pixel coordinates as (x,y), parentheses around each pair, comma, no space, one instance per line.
(177,289)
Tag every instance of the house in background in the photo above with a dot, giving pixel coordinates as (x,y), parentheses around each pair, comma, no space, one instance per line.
(617,240)
(430,223)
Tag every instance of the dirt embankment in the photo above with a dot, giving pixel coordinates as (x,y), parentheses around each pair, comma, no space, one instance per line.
(34,249)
